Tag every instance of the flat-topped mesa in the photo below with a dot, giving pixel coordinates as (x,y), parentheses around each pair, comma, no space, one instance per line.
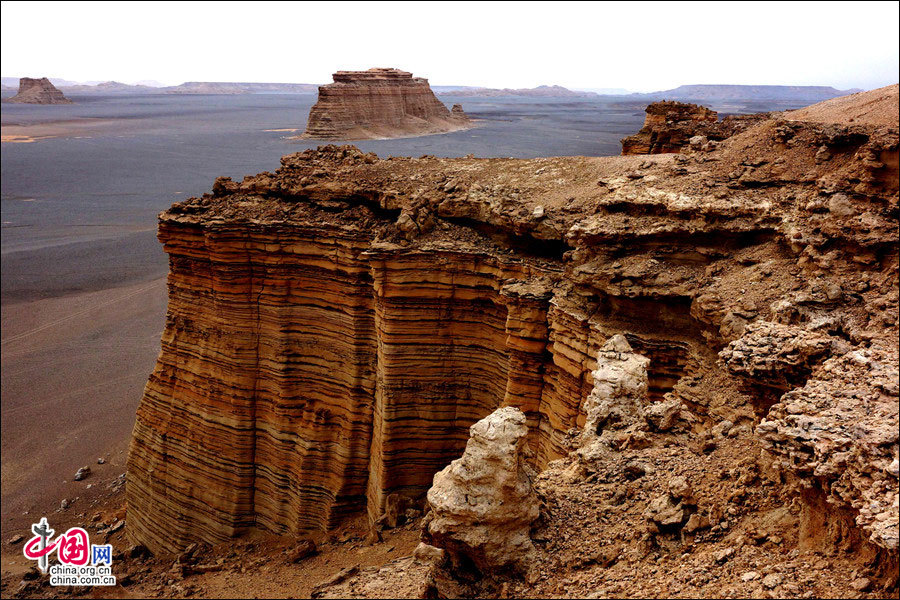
(38,91)
(380,103)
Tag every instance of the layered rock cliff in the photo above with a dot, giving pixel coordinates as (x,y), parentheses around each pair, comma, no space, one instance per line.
(335,326)
(380,103)
(670,126)
(38,91)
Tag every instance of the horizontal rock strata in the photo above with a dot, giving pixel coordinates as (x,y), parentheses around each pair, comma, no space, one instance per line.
(380,103)
(336,326)
(38,91)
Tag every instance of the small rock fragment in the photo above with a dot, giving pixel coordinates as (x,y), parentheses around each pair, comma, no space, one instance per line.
(302,550)
(427,554)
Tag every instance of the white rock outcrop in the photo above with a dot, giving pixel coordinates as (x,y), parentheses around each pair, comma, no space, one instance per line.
(483,504)
(620,391)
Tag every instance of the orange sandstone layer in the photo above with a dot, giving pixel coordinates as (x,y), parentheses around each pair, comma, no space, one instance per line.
(380,103)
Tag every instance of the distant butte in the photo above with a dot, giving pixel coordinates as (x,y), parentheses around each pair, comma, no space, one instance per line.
(380,103)
(38,91)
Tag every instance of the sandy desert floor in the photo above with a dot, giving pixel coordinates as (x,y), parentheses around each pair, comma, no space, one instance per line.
(73,371)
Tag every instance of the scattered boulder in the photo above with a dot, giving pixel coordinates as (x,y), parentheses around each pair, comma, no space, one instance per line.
(772,581)
(118,525)
(723,555)
(635,469)
(662,416)
(82,473)
(861,584)
(427,554)
(337,578)
(665,512)
(396,507)
(695,523)
(680,489)
(137,551)
(303,549)
(605,556)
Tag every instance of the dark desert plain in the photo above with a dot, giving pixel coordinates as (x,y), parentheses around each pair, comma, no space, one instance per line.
(83,277)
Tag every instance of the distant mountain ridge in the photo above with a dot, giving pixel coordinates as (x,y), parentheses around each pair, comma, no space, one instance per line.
(189,87)
(708,93)
(542,91)
(228,87)
(713,92)
(109,87)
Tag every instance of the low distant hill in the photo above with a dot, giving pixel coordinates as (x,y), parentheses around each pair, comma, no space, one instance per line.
(190,87)
(542,91)
(800,95)
(808,94)
(13,82)
(607,91)
(108,87)
(449,89)
(227,87)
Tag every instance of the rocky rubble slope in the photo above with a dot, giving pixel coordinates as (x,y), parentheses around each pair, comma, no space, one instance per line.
(335,327)
(380,103)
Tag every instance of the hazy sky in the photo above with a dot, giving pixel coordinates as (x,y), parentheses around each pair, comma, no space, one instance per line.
(639,46)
